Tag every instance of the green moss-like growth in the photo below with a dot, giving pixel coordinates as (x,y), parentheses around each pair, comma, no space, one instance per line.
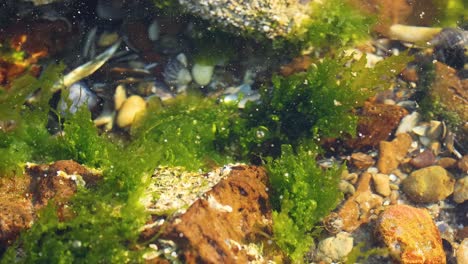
(185,132)
(303,194)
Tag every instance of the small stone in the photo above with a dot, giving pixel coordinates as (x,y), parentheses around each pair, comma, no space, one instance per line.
(153,30)
(382,184)
(130,110)
(346,187)
(362,160)
(429,185)
(107,38)
(462,252)
(411,235)
(460,192)
(435,147)
(120,96)
(463,164)
(447,162)
(202,73)
(335,248)
(392,153)
(423,159)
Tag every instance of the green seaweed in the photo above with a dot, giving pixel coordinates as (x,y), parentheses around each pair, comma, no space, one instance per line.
(303,194)
(358,256)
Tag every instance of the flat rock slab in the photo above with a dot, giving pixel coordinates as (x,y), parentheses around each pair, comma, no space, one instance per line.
(234,212)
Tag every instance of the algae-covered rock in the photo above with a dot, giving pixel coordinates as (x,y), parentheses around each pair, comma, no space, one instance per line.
(429,185)
(270,18)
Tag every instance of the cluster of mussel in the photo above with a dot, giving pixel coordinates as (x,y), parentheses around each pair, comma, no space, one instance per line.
(125,53)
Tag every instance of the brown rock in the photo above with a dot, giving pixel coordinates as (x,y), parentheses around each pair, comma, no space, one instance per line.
(392,153)
(423,159)
(462,252)
(298,64)
(16,208)
(234,210)
(447,162)
(357,210)
(376,123)
(411,235)
(362,160)
(429,185)
(463,164)
(21,196)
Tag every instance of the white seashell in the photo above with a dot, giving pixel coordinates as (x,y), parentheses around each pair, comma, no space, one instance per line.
(420,130)
(436,129)
(120,96)
(153,30)
(202,73)
(130,110)
(408,123)
(79,94)
(176,74)
(425,141)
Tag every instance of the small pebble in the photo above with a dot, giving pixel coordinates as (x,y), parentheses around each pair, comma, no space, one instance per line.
(423,159)
(202,73)
(460,192)
(335,248)
(382,184)
(107,38)
(130,110)
(463,164)
(362,160)
(428,185)
(392,153)
(120,96)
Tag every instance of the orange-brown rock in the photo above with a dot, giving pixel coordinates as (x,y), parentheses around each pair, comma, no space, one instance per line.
(298,64)
(391,154)
(411,235)
(376,123)
(358,209)
(236,210)
(362,160)
(22,196)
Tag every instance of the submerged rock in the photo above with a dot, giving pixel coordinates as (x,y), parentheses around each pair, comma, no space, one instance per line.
(392,153)
(335,248)
(429,185)
(217,226)
(411,235)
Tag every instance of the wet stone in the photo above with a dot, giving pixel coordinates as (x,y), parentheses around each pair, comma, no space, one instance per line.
(447,163)
(463,164)
(460,192)
(362,160)
(391,154)
(335,248)
(376,123)
(411,235)
(428,185)
(423,159)
(382,184)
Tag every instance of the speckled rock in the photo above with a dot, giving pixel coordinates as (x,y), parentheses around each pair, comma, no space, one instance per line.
(392,153)
(130,110)
(428,185)
(335,248)
(411,235)
(214,226)
(460,192)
